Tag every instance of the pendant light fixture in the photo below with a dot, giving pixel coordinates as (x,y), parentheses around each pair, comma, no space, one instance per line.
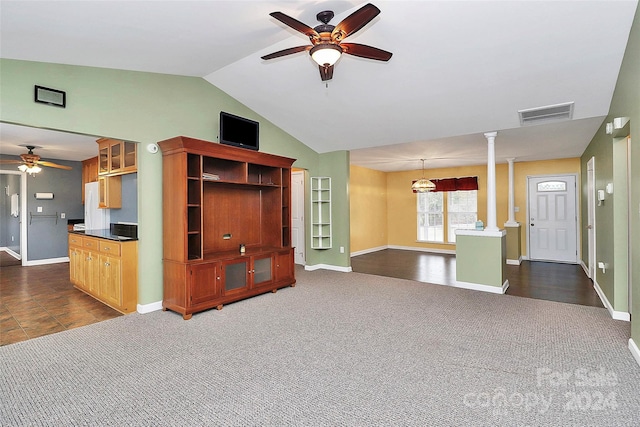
(423,185)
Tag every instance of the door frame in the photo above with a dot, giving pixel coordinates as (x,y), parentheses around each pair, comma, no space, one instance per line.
(301,206)
(577,212)
(23,212)
(591,217)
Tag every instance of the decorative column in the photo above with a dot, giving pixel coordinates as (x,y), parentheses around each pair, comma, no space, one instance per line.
(512,216)
(491,182)
(514,242)
(481,254)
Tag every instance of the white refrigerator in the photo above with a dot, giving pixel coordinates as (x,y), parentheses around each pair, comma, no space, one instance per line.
(94,217)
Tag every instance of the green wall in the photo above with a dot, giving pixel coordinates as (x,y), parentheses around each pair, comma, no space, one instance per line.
(146,108)
(336,165)
(625,103)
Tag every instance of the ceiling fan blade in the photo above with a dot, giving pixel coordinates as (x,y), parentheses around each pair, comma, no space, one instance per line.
(288,51)
(295,24)
(354,22)
(13,162)
(54,165)
(326,73)
(365,51)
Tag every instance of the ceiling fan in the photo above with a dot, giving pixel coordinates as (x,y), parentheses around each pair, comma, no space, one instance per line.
(326,39)
(30,162)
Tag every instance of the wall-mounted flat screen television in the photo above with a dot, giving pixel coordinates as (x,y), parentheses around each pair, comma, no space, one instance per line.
(239,131)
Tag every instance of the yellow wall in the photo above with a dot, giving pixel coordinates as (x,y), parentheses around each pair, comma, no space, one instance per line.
(399,204)
(368,203)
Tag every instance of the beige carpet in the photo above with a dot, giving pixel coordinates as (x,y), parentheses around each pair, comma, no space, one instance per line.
(339,349)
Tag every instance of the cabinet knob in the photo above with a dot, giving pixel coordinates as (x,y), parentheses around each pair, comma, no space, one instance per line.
(106,264)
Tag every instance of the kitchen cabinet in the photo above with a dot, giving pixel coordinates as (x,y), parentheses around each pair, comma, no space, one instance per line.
(116,157)
(216,198)
(106,270)
(89,172)
(110,192)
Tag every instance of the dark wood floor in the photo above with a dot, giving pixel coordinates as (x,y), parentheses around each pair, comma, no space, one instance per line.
(540,280)
(40,300)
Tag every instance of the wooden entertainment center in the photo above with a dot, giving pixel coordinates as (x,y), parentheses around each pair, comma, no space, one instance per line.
(215,199)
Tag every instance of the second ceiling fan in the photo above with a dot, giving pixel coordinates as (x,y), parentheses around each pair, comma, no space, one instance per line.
(326,39)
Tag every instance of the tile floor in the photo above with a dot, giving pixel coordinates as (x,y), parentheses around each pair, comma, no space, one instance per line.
(40,300)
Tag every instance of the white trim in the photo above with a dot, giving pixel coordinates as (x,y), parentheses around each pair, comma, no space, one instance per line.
(434,250)
(45,261)
(481,233)
(10,252)
(616,315)
(484,288)
(328,267)
(148,308)
(512,224)
(514,261)
(635,351)
(585,268)
(368,251)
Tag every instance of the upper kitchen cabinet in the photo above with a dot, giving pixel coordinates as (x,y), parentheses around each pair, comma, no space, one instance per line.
(116,157)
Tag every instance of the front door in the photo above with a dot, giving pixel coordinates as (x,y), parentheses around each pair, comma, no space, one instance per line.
(553,223)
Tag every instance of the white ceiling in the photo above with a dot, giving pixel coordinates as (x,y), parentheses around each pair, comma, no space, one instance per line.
(459,68)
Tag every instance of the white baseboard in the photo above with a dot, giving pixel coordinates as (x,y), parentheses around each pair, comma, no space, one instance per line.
(45,261)
(484,288)
(148,308)
(514,261)
(432,250)
(585,268)
(328,267)
(11,252)
(368,251)
(635,351)
(616,315)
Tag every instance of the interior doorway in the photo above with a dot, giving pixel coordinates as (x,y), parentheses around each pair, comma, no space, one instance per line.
(13,227)
(297,216)
(553,224)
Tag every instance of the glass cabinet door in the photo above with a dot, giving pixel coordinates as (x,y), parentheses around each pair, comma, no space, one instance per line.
(262,271)
(103,159)
(235,275)
(129,155)
(116,158)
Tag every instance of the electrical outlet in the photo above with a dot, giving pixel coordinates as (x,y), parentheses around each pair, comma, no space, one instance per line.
(39,209)
(341,249)
(63,215)
(12,238)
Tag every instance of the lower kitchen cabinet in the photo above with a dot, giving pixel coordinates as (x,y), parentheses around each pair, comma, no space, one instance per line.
(106,270)
(197,286)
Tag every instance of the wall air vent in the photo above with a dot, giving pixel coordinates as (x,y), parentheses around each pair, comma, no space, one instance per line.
(538,115)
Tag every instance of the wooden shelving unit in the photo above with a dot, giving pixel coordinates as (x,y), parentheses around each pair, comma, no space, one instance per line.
(321,213)
(215,198)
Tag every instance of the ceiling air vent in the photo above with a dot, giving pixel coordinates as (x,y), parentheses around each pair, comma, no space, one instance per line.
(556,112)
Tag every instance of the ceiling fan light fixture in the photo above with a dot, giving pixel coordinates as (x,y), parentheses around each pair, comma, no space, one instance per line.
(326,54)
(31,170)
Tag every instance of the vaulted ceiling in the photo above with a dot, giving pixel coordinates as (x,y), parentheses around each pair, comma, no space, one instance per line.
(459,68)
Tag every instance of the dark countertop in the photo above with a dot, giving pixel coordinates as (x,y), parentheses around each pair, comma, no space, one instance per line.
(103,234)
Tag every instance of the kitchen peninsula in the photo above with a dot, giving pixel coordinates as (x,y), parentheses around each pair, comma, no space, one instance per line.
(104,264)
